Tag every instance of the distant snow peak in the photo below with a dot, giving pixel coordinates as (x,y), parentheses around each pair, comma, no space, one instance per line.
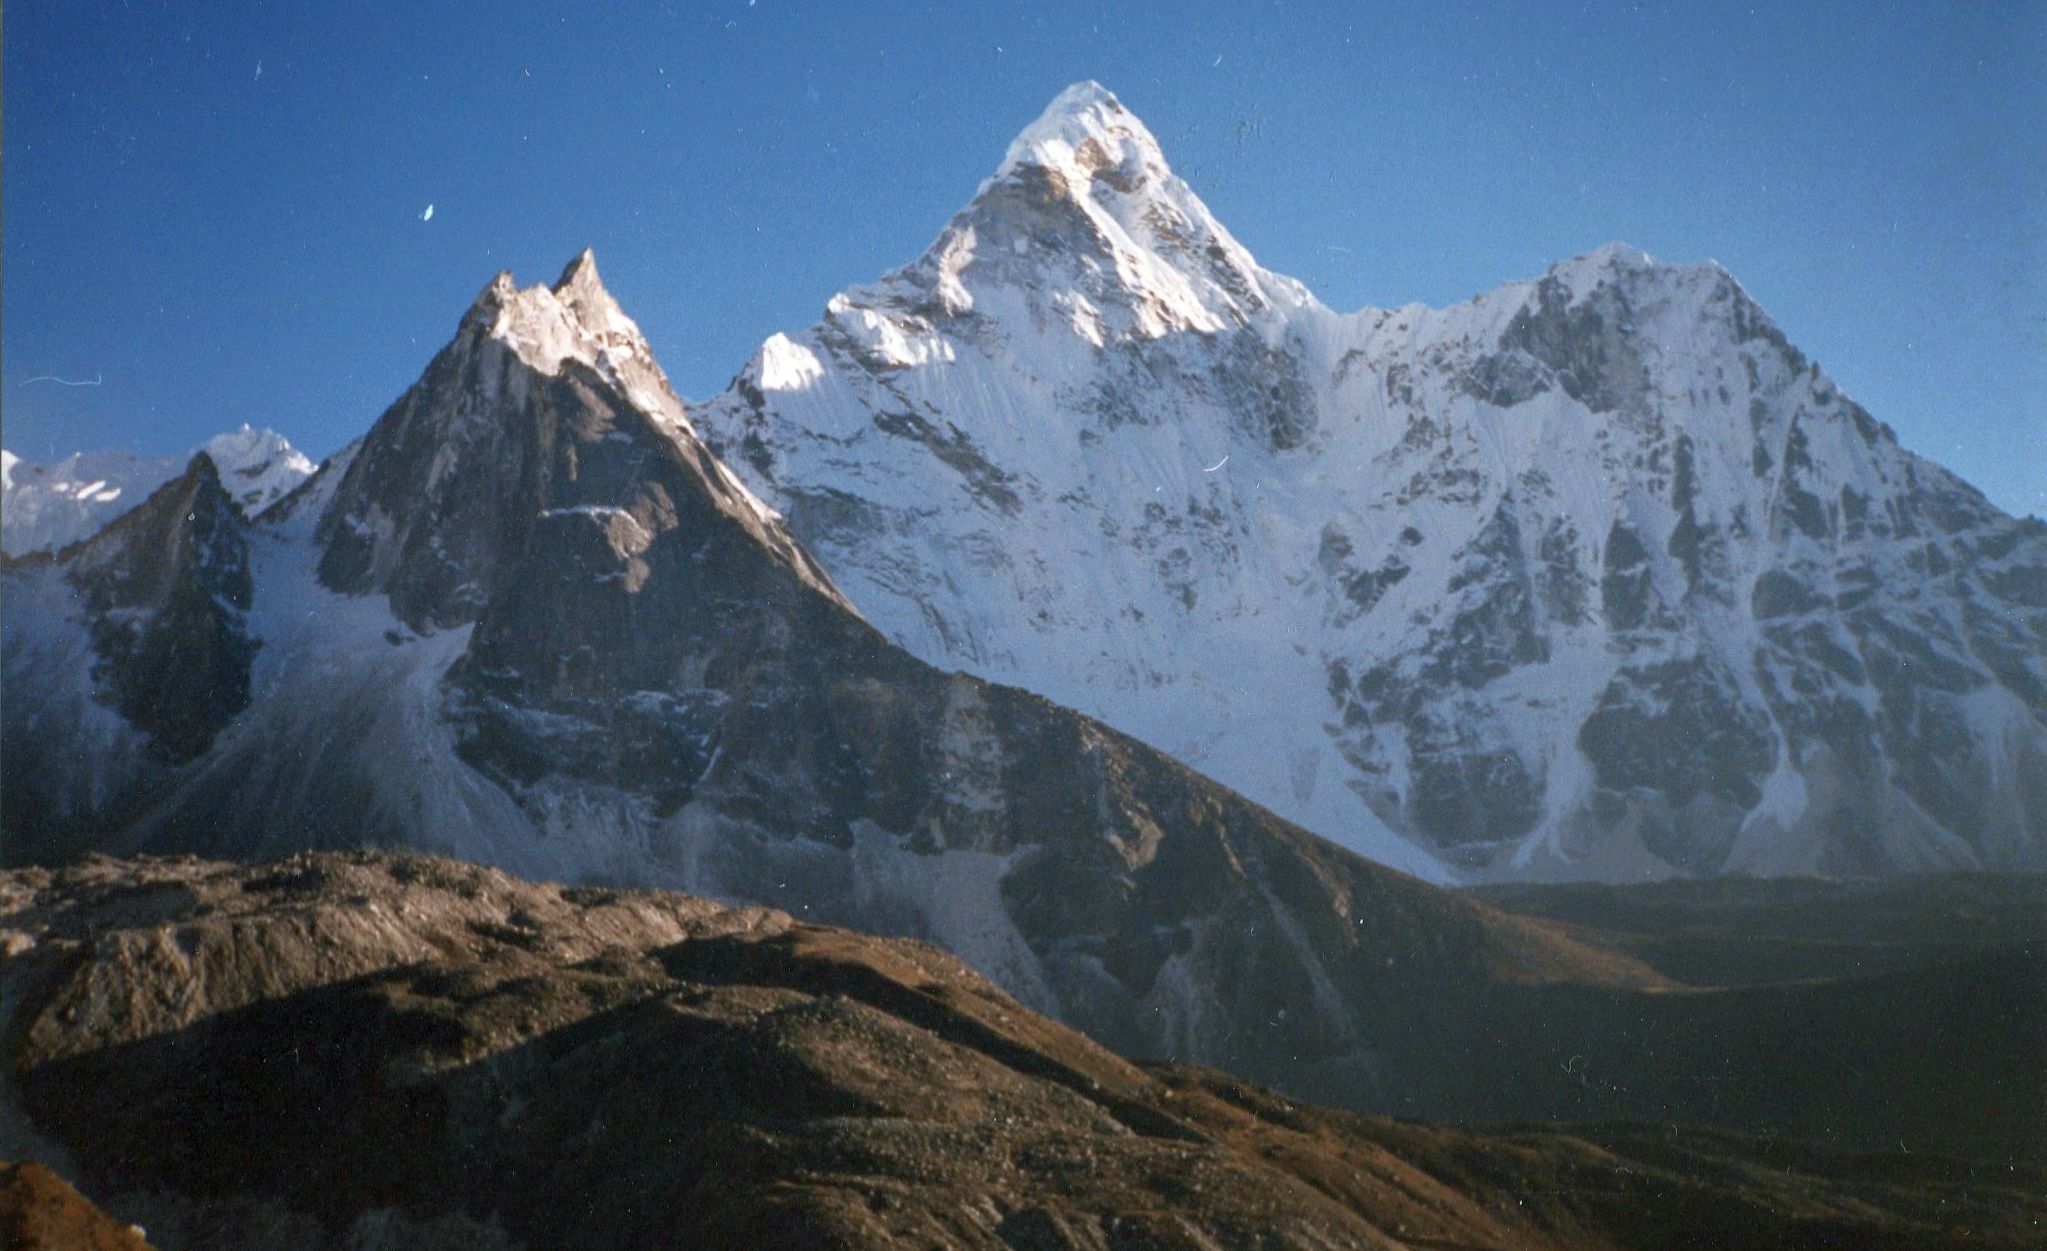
(256,467)
(46,507)
(1615,257)
(1617,265)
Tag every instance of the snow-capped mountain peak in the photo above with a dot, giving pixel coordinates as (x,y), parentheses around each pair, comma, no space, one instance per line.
(1085,114)
(1084,229)
(535,323)
(1603,263)
(1593,575)
(521,417)
(257,467)
(574,320)
(783,364)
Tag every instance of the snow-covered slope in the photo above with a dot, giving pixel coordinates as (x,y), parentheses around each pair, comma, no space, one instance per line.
(1595,575)
(529,619)
(45,507)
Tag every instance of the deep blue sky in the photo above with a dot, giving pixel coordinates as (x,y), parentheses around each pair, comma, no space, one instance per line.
(220,246)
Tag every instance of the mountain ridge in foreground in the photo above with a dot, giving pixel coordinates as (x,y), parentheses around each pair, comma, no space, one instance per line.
(481,1062)
(1594,576)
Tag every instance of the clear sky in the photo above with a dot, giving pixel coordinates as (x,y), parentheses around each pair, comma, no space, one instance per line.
(215,209)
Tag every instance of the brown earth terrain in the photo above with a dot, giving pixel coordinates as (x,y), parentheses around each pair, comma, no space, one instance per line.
(365,1050)
(40,1211)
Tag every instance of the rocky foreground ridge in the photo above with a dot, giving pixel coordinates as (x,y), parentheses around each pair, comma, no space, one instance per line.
(378,1051)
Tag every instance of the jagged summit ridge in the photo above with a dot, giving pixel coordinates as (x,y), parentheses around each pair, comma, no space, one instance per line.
(575,319)
(543,406)
(578,298)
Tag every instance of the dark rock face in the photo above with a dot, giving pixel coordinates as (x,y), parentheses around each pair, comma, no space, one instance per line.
(1797,508)
(1508,378)
(1681,728)
(954,449)
(1675,741)
(1362,587)
(370,1051)
(635,573)
(1624,591)
(1566,590)
(1778,593)
(1837,627)
(1493,627)
(383,534)
(166,587)
(1583,343)
(1465,794)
